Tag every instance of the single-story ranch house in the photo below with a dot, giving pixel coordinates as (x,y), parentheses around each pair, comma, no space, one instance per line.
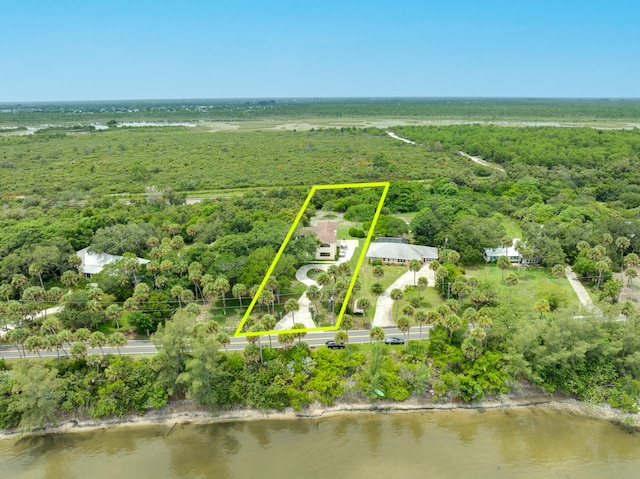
(92,263)
(327,233)
(491,255)
(399,251)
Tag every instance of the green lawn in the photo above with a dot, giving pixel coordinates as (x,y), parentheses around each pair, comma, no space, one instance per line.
(532,283)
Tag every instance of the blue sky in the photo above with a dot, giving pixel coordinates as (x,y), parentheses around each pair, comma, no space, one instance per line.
(59,50)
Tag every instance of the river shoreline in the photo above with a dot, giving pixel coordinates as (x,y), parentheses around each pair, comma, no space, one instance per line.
(186,412)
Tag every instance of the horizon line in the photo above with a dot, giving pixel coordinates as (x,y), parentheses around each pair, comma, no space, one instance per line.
(312,98)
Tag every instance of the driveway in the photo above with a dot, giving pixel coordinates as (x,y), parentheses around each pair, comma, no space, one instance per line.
(384,305)
(303,315)
(583,296)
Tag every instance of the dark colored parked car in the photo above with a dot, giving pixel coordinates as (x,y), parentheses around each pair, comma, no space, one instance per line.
(393,340)
(335,345)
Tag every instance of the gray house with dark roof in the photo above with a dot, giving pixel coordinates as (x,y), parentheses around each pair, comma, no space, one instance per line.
(399,251)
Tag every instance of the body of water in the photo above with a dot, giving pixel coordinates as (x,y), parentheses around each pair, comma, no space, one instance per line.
(531,443)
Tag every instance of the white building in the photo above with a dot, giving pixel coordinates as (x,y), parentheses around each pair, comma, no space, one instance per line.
(93,263)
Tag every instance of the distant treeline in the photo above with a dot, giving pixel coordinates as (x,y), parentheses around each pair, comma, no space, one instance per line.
(477,109)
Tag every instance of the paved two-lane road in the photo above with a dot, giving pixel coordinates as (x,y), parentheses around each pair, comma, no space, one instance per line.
(138,347)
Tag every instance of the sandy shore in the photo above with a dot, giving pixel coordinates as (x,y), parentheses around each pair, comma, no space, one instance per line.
(185,412)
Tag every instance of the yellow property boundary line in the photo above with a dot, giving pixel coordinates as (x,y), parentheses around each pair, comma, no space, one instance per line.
(385,186)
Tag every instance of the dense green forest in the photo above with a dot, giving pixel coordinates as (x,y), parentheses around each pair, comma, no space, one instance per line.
(477,109)
(571,196)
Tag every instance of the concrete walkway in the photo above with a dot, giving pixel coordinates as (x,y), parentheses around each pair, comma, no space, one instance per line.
(384,305)
(303,315)
(581,292)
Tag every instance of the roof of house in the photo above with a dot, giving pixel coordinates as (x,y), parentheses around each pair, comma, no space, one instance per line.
(401,250)
(326,231)
(509,251)
(92,263)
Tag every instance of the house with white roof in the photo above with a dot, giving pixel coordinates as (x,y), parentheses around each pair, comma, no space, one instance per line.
(399,251)
(93,263)
(491,255)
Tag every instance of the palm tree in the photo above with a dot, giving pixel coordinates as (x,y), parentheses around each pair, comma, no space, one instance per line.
(268,298)
(286,339)
(459,287)
(503,263)
(82,335)
(542,306)
(313,293)
(378,272)
(98,340)
(117,340)
(256,328)
(582,245)
(69,278)
(364,304)
(50,326)
(423,282)
(291,306)
(19,282)
(453,322)
(221,285)
(224,339)
(78,351)
(511,280)
(470,315)
(344,269)
(408,310)
(6,291)
(195,275)
(622,243)
(50,342)
(17,337)
(632,259)
(334,273)
(421,318)
(434,265)
(176,292)
(187,296)
(396,295)
(36,269)
(272,285)
(113,312)
(33,344)
(601,267)
(414,266)
(376,334)
(404,325)
(346,323)
(342,337)
(64,336)
(557,270)
(238,291)
(268,322)
(630,273)
(301,334)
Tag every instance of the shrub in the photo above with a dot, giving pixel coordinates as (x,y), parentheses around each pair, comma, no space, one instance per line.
(356,233)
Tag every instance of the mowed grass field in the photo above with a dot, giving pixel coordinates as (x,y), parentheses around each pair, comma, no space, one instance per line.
(533,283)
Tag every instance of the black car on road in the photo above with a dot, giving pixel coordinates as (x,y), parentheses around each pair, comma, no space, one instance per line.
(335,345)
